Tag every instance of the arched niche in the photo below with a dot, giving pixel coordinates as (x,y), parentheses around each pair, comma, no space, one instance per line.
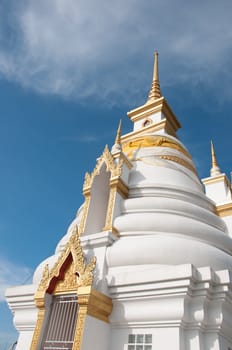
(100,188)
(99,199)
(64,298)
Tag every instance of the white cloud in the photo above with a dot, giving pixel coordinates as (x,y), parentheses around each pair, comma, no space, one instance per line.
(103,48)
(11,274)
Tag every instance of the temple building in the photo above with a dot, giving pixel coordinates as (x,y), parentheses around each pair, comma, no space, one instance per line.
(145,264)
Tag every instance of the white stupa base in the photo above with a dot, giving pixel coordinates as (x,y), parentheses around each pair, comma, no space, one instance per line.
(22,305)
(184,308)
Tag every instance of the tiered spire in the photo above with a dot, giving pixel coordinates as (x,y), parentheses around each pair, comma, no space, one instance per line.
(155,92)
(215,170)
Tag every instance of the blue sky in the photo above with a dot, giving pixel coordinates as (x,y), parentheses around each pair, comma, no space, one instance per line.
(68,72)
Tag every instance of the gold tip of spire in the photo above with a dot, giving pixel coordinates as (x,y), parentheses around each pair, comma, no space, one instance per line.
(213,155)
(118,135)
(117,147)
(155,92)
(215,170)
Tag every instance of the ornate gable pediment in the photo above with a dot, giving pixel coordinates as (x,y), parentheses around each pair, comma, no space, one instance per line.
(111,166)
(69,272)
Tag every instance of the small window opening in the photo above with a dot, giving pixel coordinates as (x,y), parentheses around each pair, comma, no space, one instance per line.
(139,342)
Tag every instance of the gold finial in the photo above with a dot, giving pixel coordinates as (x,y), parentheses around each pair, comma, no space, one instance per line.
(214,160)
(117,147)
(215,170)
(155,93)
(118,135)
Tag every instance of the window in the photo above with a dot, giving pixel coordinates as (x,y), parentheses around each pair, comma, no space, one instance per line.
(139,342)
(147,122)
(59,333)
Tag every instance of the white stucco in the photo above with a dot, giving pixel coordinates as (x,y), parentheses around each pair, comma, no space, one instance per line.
(168,271)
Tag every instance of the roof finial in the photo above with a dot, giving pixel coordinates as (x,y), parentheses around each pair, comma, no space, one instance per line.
(118,135)
(155,93)
(215,170)
(117,143)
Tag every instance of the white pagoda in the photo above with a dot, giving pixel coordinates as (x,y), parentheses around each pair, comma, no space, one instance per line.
(146,263)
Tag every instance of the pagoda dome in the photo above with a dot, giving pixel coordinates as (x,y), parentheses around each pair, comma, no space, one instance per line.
(166,219)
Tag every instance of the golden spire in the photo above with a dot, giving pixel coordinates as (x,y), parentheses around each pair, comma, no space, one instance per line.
(117,143)
(215,170)
(155,93)
(118,135)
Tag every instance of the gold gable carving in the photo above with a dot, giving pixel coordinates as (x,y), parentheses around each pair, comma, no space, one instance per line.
(75,272)
(111,166)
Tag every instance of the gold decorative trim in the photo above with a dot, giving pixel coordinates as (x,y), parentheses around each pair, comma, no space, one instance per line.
(83,273)
(78,337)
(108,159)
(149,108)
(224,210)
(120,186)
(99,305)
(120,156)
(85,212)
(38,327)
(68,274)
(143,131)
(117,185)
(215,179)
(153,141)
(179,161)
(109,214)
(115,169)
(92,303)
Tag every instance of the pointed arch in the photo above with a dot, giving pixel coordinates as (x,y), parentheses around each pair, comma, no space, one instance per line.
(60,285)
(97,188)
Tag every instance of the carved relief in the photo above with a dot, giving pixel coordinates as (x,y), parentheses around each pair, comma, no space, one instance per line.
(76,271)
(84,214)
(115,168)
(107,158)
(179,161)
(153,141)
(68,274)
(109,216)
(38,328)
(80,327)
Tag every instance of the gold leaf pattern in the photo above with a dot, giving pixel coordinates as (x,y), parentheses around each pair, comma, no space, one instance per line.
(76,274)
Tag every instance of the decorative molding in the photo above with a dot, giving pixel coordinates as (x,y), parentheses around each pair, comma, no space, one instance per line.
(68,274)
(69,283)
(82,312)
(92,303)
(108,159)
(119,186)
(179,161)
(150,108)
(83,274)
(38,327)
(85,212)
(153,141)
(114,165)
(215,179)
(98,305)
(109,215)
(120,156)
(223,210)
